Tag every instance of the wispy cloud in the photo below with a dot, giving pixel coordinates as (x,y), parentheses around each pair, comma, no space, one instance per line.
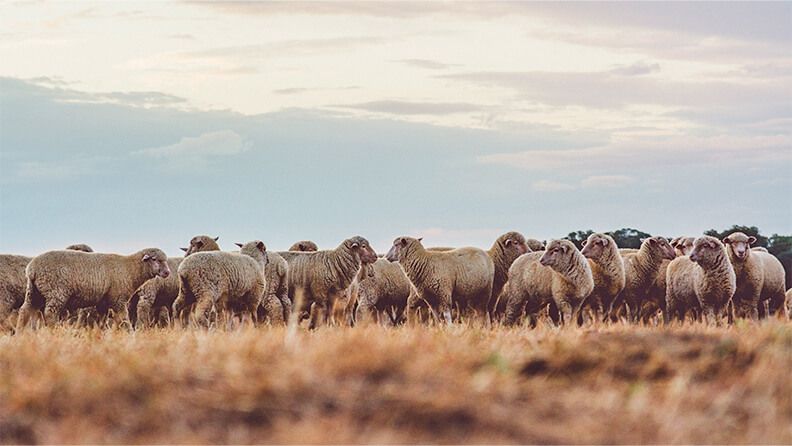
(427,64)
(551,186)
(414,108)
(195,151)
(650,154)
(604,181)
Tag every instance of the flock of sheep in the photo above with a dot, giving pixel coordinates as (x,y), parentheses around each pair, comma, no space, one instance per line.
(517,280)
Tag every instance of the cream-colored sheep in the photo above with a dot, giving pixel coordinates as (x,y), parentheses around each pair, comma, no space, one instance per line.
(304,246)
(683,245)
(641,271)
(559,275)
(225,281)
(160,292)
(607,269)
(760,278)
(275,305)
(461,277)
(504,251)
(69,280)
(705,279)
(380,291)
(535,245)
(318,279)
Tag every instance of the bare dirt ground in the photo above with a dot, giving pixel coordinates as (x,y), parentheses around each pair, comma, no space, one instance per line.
(461,384)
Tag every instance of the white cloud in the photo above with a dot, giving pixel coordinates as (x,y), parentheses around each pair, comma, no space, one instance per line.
(551,186)
(651,153)
(195,151)
(599,181)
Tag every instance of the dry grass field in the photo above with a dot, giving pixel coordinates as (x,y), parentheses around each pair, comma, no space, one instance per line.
(460,384)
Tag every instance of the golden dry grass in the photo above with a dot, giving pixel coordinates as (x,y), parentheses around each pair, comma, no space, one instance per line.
(462,384)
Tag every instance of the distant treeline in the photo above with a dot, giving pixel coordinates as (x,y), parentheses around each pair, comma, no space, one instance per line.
(778,245)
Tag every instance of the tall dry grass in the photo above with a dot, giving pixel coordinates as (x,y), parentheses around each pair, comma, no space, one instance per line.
(461,384)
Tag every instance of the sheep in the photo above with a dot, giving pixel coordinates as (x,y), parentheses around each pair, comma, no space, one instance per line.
(304,246)
(461,277)
(275,305)
(683,245)
(760,277)
(705,279)
(607,269)
(320,278)
(760,249)
(80,247)
(534,244)
(224,281)
(160,293)
(788,301)
(560,275)
(641,271)
(504,251)
(381,291)
(13,282)
(60,280)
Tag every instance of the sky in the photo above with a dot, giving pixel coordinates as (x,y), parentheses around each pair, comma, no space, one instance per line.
(133,124)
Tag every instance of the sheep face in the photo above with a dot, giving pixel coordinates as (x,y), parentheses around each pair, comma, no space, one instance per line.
(157,262)
(255,249)
(362,248)
(201,243)
(683,245)
(514,244)
(558,254)
(400,246)
(660,247)
(707,251)
(739,244)
(596,245)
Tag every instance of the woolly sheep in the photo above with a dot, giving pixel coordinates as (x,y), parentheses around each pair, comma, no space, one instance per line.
(461,277)
(381,291)
(80,247)
(304,246)
(504,251)
(705,279)
(534,244)
(61,280)
(760,277)
(683,245)
(320,278)
(607,269)
(560,275)
(275,304)
(222,280)
(159,293)
(641,270)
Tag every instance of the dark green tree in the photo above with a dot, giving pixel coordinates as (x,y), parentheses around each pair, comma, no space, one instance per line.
(628,237)
(578,237)
(779,243)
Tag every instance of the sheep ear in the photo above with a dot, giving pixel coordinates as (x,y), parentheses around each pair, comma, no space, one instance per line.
(652,241)
(146,257)
(508,242)
(301,246)
(726,240)
(420,239)
(751,240)
(184,249)
(217,238)
(261,247)
(403,241)
(583,243)
(239,244)
(355,245)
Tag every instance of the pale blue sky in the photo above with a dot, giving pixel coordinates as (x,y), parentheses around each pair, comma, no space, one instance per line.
(125,125)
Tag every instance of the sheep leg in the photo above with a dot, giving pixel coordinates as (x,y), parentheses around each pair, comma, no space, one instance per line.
(318,312)
(201,312)
(273,309)
(365,312)
(515,306)
(120,314)
(145,302)
(444,309)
